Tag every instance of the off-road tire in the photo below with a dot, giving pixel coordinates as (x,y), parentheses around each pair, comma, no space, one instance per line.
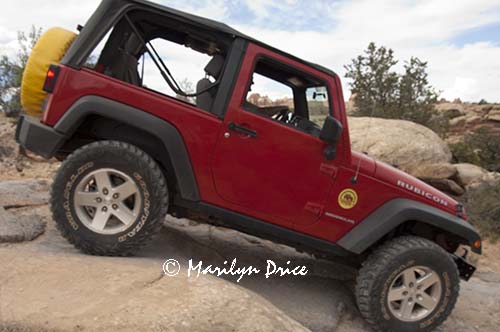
(129,160)
(385,264)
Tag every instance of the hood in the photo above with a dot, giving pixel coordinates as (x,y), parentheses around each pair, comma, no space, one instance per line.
(414,186)
(367,164)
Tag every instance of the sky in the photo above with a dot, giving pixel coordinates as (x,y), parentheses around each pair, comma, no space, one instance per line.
(460,39)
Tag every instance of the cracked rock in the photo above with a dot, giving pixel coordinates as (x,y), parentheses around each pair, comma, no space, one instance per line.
(24,193)
(19,229)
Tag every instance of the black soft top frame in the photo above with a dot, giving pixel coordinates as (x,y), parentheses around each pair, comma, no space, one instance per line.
(109,11)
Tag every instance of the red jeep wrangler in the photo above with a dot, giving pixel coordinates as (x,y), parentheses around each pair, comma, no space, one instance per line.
(227,155)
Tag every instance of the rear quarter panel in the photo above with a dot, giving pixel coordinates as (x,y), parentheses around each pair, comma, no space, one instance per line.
(199,129)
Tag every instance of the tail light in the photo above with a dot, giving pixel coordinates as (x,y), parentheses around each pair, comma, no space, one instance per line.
(51,78)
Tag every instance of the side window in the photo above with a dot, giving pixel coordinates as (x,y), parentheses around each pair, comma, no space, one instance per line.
(186,66)
(287,96)
(178,61)
(267,96)
(318,104)
(93,58)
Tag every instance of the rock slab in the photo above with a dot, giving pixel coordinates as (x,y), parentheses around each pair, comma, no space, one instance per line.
(398,142)
(19,228)
(24,193)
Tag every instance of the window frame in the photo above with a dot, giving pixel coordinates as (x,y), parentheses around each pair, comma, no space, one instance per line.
(261,56)
(234,57)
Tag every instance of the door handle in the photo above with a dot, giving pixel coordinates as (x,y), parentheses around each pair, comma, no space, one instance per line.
(242,130)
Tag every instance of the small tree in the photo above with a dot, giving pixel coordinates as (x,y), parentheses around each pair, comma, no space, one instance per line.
(11,72)
(381,92)
(481,148)
(373,83)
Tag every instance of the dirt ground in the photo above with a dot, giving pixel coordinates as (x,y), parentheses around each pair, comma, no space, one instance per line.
(47,285)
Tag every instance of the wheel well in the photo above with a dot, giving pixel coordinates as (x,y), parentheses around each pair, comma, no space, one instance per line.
(98,128)
(447,240)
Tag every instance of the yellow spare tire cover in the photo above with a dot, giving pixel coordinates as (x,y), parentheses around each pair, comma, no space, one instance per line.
(49,49)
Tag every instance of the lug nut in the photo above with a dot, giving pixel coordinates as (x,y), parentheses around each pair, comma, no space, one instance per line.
(115,196)
(115,207)
(405,293)
(105,191)
(411,285)
(98,199)
(104,209)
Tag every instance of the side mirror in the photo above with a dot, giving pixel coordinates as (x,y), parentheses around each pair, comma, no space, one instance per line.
(330,133)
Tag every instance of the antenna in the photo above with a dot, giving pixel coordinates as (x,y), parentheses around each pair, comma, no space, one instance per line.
(354,179)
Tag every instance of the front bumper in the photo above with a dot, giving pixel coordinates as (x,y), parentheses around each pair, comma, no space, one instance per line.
(37,137)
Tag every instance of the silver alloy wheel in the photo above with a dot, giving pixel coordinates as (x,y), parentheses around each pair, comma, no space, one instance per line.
(107,201)
(414,294)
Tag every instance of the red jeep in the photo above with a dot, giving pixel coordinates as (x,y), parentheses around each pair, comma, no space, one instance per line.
(228,155)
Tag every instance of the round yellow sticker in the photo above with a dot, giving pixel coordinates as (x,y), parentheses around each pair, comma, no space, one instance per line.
(348,199)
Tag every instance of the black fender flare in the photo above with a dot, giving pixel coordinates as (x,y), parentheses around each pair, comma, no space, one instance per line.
(396,212)
(161,129)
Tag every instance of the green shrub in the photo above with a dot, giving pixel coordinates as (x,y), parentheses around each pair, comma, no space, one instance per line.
(483,209)
(480,148)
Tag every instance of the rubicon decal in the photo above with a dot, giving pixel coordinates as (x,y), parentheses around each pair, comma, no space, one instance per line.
(422,193)
(348,199)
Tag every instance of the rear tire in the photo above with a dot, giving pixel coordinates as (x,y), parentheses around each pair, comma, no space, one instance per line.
(109,198)
(408,284)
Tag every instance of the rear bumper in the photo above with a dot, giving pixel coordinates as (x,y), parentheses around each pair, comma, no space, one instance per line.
(37,137)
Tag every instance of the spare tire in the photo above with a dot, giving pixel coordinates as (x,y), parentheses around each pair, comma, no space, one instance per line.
(49,49)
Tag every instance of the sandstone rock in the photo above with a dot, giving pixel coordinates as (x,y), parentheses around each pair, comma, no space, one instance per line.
(24,192)
(490,178)
(473,119)
(468,173)
(494,115)
(19,229)
(435,171)
(448,186)
(458,122)
(451,110)
(398,142)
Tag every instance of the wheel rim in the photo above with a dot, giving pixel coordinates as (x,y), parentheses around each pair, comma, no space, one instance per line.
(107,201)
(414,294)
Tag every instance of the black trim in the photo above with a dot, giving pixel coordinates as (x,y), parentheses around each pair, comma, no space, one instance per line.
(242,130)
(266,230)
(396,212)
(37,137)
(229,78)
(164,131)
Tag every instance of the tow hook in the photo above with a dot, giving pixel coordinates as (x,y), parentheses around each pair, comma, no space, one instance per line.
(465,269)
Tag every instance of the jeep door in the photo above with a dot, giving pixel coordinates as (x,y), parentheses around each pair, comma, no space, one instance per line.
(264,167)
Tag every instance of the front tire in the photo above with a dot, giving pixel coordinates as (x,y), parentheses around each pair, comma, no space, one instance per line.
(109,198)
(408,284)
